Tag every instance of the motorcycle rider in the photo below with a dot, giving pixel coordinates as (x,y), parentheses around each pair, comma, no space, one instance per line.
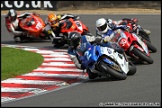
(12,20)
(105,29)
(129,21)
(53,21)
(78,44)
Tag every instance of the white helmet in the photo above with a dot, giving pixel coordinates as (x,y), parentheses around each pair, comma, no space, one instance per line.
(102,25)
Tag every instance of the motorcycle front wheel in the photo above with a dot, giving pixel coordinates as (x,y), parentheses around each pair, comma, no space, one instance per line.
(58,43)
(151,47)
(109,70)
(142,56)
(132,69)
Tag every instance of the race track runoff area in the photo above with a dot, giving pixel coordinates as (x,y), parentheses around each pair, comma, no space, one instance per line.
(56,72)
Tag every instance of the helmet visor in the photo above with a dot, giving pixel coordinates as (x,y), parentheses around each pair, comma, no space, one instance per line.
(54,22)
(102,28)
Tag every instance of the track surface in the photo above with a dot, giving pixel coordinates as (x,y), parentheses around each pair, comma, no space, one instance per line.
(142,88)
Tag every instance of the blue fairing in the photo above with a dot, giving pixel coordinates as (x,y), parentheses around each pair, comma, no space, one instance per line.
(91,56)
(98,48)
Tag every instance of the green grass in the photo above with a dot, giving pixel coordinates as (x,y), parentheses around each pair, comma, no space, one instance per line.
(16,62)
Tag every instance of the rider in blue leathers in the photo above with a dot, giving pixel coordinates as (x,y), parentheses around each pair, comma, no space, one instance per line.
(78,45)
(105,29)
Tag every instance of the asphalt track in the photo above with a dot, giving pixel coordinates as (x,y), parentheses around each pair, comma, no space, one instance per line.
(143,88)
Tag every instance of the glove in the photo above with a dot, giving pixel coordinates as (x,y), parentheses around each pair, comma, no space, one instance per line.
(49,31)
(125,27)
(76,17)
(128,29)
(106,39)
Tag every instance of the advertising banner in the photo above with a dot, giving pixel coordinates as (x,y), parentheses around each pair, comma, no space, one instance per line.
(28,5)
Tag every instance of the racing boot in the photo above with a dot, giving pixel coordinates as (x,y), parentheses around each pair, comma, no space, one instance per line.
(147,31)
(17,39)
(91,74)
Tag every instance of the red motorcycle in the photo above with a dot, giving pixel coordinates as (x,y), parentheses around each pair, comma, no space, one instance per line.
(71,25)
(33,25)
(133,45)
(134,27)
(67,26)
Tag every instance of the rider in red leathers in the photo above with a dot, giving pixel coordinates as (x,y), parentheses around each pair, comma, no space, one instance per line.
(12,20)
(53,21)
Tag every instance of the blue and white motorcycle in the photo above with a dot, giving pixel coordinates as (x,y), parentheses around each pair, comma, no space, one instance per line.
(105,61)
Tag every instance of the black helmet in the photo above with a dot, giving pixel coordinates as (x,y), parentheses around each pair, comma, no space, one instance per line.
(12,14)
(74,39)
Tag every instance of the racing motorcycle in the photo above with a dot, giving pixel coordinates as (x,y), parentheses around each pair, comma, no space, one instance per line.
(106,61)
(33,25)
(133,26)
(67,26)
(133,45)
(141,33)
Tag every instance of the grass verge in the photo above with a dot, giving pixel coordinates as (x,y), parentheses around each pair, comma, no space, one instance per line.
(16,62)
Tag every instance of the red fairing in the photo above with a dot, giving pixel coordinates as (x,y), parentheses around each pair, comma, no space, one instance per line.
(70,25)
(33,25)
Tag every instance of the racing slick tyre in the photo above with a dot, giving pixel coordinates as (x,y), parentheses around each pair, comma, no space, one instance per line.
(151,47)
(132,69)
(58,43)
(142,56)
(109,70)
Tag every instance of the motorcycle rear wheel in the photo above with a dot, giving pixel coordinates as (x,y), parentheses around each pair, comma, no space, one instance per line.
(107,69)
